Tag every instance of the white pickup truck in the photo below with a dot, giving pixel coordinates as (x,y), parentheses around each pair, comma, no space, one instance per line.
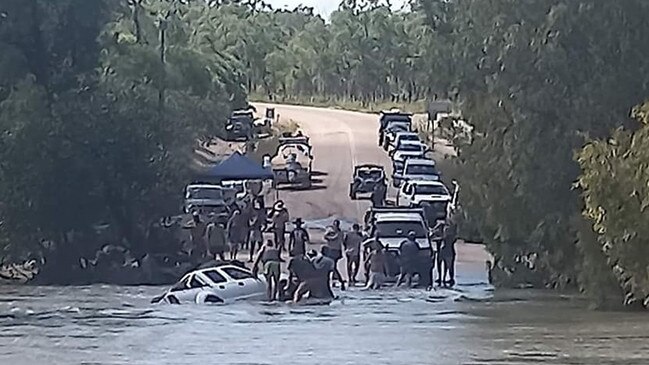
(391,226)
(415,192)
(415,169)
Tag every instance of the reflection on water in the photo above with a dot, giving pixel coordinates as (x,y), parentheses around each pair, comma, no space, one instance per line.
(117,325)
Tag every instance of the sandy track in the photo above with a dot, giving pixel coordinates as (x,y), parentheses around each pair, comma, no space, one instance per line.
(340,139)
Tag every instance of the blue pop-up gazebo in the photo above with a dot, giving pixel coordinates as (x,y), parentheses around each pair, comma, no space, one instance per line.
(238,167)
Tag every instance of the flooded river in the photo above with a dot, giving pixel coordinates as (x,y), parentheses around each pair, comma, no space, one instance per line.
(470,325)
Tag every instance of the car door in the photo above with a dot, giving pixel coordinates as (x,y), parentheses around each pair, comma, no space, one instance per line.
(409,195)
(401,195)
(247,284)
(223,288)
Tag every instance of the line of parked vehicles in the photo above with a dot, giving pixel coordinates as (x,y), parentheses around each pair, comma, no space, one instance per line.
(423,203)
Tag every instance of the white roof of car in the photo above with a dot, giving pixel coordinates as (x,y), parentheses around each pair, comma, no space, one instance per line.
(406,133)
(204,186)
(427,182)
(397,217)
(420,161)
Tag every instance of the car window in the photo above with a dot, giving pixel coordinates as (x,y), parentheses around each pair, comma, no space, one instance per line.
(237,274)
(215,276)
(205,193)
(195,282)
(400,229)
(431,189)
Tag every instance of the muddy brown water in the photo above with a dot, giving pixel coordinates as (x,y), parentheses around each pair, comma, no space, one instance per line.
(468,325)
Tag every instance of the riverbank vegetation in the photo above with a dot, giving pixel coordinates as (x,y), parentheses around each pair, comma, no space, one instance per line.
(540,81)
(101,103)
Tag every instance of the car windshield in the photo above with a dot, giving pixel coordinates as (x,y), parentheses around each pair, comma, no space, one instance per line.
(370,174)
(234,185)
(421,170)
(430,189)
(411,147)
(399,126)
(408,137)
(205,193)
(398,229)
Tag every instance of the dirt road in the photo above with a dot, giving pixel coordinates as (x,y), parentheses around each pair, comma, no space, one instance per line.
(340,139)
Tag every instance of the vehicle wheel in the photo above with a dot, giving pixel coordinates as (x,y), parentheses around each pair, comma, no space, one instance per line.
(173,300)
(213,299)
(352,195)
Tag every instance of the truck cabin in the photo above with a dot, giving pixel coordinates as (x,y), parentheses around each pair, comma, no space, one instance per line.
(394,115)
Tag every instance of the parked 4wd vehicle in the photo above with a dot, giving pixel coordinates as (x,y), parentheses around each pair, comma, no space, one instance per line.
(391,226)
(415,169)
(415,192)
(240,126)
(292,164)
(392,119)
(365,179)
(207,198)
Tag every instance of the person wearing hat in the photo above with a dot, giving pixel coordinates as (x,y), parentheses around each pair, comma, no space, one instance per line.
(408,259)
(334,237)
(279,217)
(298,239)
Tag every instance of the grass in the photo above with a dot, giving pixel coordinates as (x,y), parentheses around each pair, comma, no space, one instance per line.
(345,104)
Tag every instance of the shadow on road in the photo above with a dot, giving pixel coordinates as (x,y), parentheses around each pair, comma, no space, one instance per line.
(315,186)
(319,173)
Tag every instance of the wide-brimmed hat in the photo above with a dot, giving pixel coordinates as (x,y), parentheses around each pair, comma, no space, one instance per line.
(298,221)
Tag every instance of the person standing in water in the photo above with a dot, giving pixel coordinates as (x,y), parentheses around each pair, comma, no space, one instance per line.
(237,231)
(298,239)
(448,253)
(197,234)
(269,257)
(334,237)
(352,245)
(279,217)
(216,241)
(378,266)
(408,259)
(255,225)
(369,245)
